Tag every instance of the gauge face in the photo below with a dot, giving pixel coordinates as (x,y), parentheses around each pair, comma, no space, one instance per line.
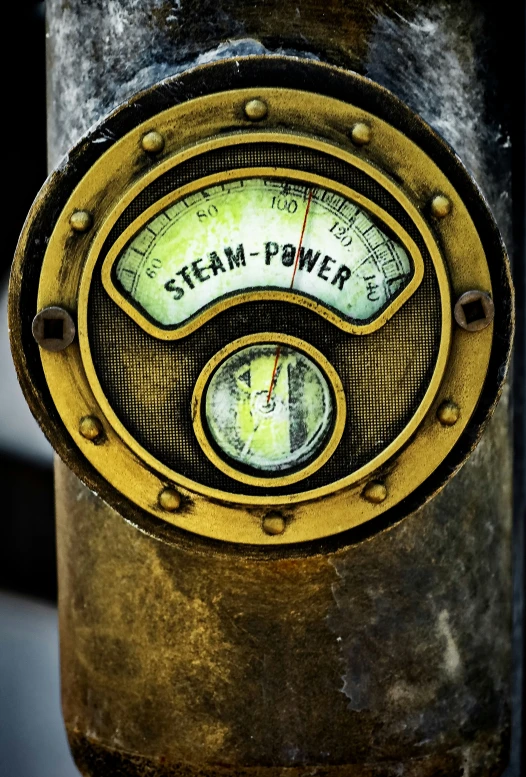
(240,236)
(269,407)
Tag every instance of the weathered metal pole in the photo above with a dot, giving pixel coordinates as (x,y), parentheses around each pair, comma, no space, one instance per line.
(391,656)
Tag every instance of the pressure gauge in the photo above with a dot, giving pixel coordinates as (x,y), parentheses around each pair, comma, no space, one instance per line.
(272,408)
(270,233)
(267,304)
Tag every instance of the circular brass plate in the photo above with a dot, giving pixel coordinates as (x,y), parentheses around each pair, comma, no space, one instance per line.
(87,368)
(413,164)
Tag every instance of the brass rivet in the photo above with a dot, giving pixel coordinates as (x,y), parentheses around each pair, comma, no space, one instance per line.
(474,310)
(152,142)
(375,492)
(80,220)
(440,206)
(170,500)
(448,413)
(361,134)
(91,428)
(53,328)
(256,110)
(273,524)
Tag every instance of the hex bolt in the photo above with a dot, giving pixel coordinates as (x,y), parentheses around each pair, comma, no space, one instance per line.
(273,524)
(474,310)
(152,142)
(448,413)
(375,492)
(170,500)
(361,134)
(440,206)
(256,110)
(91,428)
(53,328)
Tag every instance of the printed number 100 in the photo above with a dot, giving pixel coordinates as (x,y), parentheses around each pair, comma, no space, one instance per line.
(282,203)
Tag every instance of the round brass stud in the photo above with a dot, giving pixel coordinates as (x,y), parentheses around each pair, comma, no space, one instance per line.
(256,110)
(274,524)
(152,142)
(80,220)
(53,328)
(170,500)
(474,310)
(448,413)
(375,492)
(361,134)
(91,428)
(440,206)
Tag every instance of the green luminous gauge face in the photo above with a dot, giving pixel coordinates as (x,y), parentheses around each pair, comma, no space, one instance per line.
(269,407)
(225,243)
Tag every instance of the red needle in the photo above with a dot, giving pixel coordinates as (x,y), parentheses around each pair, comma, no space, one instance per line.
(294,271)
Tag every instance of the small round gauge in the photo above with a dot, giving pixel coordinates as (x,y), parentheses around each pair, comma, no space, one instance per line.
(269,407)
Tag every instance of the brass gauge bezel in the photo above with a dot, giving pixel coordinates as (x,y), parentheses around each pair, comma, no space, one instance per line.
(329,373)
(403,153)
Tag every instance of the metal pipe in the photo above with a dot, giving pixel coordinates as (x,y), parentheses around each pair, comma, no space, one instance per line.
(389,656)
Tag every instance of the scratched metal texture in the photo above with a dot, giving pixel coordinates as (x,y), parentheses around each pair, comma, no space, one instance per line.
(389,657)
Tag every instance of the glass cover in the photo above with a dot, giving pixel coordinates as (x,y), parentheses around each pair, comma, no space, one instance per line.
(269,407)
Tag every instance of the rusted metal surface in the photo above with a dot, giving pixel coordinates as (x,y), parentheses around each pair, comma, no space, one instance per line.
(392,653)
(388,657)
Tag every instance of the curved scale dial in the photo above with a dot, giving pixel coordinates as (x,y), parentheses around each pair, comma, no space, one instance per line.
(240,237)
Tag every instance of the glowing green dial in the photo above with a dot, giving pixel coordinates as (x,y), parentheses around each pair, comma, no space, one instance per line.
(241,236)
(267,430)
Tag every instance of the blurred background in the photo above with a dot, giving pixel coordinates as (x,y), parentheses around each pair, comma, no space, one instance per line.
(32,741)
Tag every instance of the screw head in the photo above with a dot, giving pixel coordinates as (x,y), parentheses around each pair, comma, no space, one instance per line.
(53,328)
(361,134)
(80,220)
(256,110)
(474,310)
(448,413)
(440,206)
(91,428)
(273,524)
(375,492)
(170,500)
(152,142)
